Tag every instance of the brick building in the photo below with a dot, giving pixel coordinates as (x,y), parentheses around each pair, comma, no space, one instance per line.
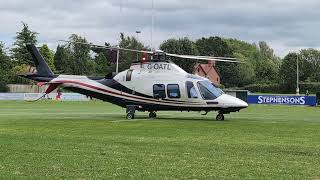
(209,71)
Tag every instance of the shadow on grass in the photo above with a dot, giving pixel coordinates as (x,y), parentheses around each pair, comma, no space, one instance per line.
(163,117)
(186,118)
(122,117)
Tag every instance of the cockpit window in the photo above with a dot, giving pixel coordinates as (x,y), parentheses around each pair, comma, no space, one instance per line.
(208,91)
(218,89)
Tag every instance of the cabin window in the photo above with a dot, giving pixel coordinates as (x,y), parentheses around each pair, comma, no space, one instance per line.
(159,91)
(173,91)
(191,90)
(129,75)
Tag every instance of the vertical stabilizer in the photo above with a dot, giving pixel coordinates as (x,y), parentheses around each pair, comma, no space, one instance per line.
(42,67)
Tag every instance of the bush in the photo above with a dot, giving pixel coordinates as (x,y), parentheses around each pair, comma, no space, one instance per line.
(263,88)
(3,87)
(221,86)
(311,87)
(282,88)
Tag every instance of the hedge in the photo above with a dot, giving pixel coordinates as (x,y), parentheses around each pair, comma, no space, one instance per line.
(282,88)
(3,87)
(311,87)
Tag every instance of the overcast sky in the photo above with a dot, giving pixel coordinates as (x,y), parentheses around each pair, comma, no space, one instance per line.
(286,25)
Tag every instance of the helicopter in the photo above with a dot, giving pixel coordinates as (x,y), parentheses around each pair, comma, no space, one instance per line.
(150,85)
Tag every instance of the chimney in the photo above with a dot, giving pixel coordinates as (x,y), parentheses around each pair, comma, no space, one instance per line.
(211,63)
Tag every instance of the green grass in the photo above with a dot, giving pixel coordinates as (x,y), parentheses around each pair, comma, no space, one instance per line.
(93,140)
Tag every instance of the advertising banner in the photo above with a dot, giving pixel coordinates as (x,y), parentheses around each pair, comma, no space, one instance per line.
(282,99)
(11,96)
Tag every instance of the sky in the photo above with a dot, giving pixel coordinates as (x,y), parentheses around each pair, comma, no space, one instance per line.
(286,25)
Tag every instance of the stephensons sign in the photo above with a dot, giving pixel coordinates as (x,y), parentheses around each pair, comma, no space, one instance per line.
(281,100)
(288,100)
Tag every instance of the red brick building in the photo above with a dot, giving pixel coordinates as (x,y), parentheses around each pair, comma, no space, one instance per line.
(208,71)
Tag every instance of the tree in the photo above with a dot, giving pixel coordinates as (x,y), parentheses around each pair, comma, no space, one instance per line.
(78,60)
(105,60)
(310,65)
(267,64)
(24,37)
(246,53)
(61,58)
(5,65)
(102,64)
(20,69)
(181,46)
(288,71)
(213,46)
(216,46)
(246,71)
(48,56)
(246,49)
(266,70)
(260,60)
(266,51)
(126,58)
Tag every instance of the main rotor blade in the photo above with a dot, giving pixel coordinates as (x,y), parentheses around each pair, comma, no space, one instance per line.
(109,47)
(228,58)
(207,58)
(134,50)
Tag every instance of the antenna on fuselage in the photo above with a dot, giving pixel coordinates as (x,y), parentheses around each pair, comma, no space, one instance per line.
(117,64)
(152,22)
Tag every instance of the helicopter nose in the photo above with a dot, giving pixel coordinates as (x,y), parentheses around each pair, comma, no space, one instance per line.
(231,101)
(236,102)
(242,103)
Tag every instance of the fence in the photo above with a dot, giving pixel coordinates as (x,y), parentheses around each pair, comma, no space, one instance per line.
(34,96)
(23,88)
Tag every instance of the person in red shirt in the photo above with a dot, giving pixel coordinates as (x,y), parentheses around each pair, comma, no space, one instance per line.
(58,97)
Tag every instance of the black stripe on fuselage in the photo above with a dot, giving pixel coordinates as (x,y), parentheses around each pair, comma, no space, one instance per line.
(146,106)
(117,86)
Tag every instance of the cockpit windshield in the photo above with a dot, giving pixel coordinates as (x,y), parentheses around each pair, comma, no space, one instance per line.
(208,90)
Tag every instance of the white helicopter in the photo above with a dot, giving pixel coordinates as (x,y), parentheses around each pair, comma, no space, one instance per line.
(151,85)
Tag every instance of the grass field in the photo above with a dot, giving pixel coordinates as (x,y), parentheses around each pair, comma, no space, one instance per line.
(90,140)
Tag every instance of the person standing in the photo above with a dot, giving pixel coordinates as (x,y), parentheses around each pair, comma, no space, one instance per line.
(58,97)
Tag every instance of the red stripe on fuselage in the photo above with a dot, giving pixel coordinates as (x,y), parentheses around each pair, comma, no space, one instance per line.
(111,92)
